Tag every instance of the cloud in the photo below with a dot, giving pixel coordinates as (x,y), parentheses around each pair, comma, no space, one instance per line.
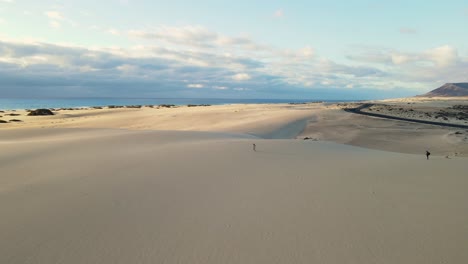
(194,36)
(416,70)
(398,58)
(241,77)
(187,35)
(54,15)
(167,60)
(442,56)
(55,19)
(307,52)
(195,85)
(408,31)
(7,1)
(278,13)
(38,68)
(126,68)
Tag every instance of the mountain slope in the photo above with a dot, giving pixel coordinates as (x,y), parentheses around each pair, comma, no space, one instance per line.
(449,90)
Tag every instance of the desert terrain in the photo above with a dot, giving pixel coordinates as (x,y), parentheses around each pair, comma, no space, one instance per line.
(184,185)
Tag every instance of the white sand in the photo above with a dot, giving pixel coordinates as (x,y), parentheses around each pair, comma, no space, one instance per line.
(262,119)
(90,195)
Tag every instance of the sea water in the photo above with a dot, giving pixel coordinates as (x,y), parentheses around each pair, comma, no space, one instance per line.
(9,104)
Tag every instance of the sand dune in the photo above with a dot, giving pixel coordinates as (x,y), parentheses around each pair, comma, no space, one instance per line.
(119,196)
(184,186)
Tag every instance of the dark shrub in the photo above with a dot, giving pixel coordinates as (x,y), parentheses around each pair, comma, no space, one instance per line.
(40,112)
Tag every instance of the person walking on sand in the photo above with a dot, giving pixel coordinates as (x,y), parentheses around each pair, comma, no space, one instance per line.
(254,147)
(427,154)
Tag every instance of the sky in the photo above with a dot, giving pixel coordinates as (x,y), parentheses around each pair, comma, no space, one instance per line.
(361,49)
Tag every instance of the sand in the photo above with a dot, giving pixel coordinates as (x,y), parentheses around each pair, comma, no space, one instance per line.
(135,186)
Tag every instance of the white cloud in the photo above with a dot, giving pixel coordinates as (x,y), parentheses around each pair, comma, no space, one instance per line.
(241,77)
(443,56)
(418,70)
(56,18)
(298,56)
(195,85)
(278,13)
(198,37)
(7,1)
(307,52)
(2,21)
(400,58)
(188,35)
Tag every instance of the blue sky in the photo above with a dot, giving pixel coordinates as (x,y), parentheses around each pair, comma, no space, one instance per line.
(231,49)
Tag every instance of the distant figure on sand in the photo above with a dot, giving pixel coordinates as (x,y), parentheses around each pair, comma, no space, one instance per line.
(427,154)
(254,146)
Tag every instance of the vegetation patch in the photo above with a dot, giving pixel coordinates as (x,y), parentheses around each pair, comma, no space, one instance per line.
(40,112)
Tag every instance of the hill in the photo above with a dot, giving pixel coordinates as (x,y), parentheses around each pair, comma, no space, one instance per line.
(449,90)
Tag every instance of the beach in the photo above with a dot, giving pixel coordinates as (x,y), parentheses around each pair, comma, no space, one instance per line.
(184,185)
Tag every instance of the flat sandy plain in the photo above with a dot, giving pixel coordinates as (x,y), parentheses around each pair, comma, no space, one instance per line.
(183,185)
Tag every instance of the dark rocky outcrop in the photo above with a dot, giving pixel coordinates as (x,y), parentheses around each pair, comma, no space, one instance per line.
(448,90)
(40,112)
(166,105)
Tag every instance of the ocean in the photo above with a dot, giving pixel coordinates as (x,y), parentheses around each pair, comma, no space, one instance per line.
(10,104)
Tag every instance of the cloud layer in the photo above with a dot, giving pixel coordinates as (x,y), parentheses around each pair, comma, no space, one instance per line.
(193,61)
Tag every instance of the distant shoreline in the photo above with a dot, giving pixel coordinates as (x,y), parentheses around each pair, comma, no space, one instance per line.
(77,103)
